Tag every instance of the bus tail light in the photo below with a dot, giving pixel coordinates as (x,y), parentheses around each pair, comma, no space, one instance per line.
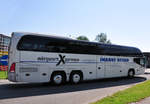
(12,67)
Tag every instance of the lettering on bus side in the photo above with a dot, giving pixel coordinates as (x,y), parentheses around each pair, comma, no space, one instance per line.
(61,60)
(47,59)
(114,59)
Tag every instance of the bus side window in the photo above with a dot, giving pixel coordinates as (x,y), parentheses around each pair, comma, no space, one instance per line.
(26,46)
(140,61)
(137,60)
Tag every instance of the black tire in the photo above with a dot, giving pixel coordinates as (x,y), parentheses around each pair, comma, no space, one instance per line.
(76,77)
(131,73)
(57,75)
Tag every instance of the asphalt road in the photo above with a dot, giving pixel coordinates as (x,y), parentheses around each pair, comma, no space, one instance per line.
(83,93)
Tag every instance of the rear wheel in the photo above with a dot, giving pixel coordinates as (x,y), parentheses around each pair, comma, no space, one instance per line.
(58,78)
(76,77)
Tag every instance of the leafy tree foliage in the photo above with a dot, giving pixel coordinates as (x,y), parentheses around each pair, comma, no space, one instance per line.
(102,37)
(82,38)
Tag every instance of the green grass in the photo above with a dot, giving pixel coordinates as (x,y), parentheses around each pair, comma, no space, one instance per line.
(133,94)
(3,74)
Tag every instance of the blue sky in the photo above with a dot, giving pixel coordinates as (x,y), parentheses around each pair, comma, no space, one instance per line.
(126,22)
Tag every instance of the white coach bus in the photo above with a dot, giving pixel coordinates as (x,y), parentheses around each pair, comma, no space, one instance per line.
(44,58)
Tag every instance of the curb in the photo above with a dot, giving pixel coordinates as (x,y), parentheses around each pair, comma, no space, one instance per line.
(4,81)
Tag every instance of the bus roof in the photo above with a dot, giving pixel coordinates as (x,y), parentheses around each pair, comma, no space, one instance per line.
(20,34)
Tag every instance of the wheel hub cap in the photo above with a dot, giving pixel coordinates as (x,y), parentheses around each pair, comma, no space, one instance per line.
(76,78)
(58,79)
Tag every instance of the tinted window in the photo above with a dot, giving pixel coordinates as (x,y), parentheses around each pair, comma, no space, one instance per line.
(119,50)
(50,44)
(140,61)
(38,43)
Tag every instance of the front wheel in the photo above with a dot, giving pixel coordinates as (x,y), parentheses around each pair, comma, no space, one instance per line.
(76,77)
(131,73)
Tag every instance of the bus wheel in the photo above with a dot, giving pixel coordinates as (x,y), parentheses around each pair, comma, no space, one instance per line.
(131,73)
(76,77)
(58,78)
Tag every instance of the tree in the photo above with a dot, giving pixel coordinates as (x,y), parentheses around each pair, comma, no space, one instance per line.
(82,38)
(102,37)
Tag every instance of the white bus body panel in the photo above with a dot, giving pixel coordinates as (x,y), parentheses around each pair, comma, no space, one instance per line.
(13,56)
(30,65)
